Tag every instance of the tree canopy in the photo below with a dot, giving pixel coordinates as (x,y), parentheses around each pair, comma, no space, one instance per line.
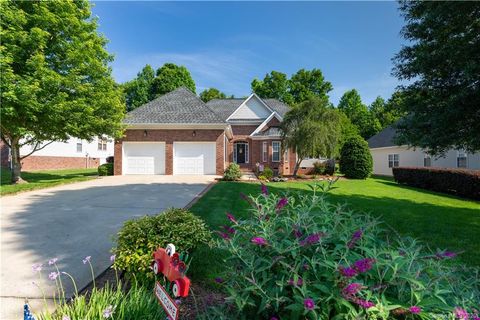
(139,90)
(170,77)
(442,64)
(56,82)
(303,85)
(312,129)
(211,93)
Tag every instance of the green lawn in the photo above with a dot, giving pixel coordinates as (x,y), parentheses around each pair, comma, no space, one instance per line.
(439,220)
(44,179)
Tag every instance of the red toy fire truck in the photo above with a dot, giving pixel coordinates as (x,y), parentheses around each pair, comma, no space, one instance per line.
(167,262)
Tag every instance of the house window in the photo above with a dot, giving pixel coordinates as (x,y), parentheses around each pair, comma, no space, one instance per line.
(264,151)
(427,160)
(275,151)
(393,160)
(240,152)
(461,159)
(102,144)
(79,146)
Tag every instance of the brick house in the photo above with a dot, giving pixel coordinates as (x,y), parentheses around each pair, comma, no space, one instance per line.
(178,133)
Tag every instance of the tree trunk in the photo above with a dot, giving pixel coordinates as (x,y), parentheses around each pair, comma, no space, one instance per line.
(16,164)
(297,166)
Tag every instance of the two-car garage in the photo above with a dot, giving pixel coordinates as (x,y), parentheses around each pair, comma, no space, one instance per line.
(190,158)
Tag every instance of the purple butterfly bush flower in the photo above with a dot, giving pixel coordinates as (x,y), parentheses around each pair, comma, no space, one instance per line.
(259,241)
(461,313)
(218,280)
(446,254)
(52,261)
(309,304)
(415,309)
(231,218)
(364,303)
(312,239)
(348,272)
(352,289)
(357,235)
(281,203)
(108,312)
(37,267)
(264,190)
(229,229)
(53,275)
(363,265)
(298,284)
(224,235)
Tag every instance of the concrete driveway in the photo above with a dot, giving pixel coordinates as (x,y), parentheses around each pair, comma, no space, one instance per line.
(71,222)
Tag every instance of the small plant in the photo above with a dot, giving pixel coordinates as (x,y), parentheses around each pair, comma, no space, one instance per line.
(318,168)
(232,173)
(105,169)
(300,257)
(267,173)
(355,159)
(139,238)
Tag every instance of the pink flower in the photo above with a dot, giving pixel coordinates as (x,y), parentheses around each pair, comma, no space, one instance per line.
(259,241)
(348,272)
(53,275)
(352,289)
(52,261)
(264,190)
(415,309)
(231,218)
(461,313)
(282,203)
(309,304)
(87,259)
(37,267)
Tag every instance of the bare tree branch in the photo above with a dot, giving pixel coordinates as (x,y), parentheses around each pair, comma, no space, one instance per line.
(36,148)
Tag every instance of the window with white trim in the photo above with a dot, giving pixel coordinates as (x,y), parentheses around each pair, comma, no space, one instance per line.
(264,151)
(79,146)
(393,160)
(461,159)
(276,151)
(102,144)
(427,160)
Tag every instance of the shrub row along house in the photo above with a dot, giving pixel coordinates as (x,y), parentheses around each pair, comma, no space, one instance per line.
(387,154)
(178,133)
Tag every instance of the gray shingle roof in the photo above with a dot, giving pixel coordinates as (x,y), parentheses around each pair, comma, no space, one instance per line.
(383,139)
(178,106)
(225,107)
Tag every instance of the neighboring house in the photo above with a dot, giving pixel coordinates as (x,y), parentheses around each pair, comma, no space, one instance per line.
(386,154)
(178,133)
(73,154)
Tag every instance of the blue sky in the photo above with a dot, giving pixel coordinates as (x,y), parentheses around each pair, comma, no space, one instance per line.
(227,44)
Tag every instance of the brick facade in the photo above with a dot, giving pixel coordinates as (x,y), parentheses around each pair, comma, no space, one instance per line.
(169,137)
(31,163)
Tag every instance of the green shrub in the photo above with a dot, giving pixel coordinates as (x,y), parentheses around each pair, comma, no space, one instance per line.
(355,159)
(105,169)
(139,238)
(232,173)
(318,168)
(301,257)
(330,167)
(267,173)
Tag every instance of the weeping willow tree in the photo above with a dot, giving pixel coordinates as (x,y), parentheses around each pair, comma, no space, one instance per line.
(312,129)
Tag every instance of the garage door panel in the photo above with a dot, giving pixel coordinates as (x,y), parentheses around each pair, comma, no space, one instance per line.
(194,158)
(144,158)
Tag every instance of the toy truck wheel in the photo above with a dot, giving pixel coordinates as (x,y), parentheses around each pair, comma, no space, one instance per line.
(176,288)
(157,267)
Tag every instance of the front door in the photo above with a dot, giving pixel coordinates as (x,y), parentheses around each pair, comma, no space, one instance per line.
(240,152)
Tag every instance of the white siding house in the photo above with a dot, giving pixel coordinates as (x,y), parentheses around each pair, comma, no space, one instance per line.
(386,154)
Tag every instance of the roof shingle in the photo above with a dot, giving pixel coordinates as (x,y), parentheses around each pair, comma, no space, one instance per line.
(384,138)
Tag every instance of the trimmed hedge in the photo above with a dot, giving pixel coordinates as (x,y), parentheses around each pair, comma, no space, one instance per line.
(355,159)
(460,182)
(105,169)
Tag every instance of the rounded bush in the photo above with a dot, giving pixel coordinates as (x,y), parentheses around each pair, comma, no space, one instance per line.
(330,167)
(139,238)
(355,159)
(318,168)
(267,173)
(105,169)
(232,173)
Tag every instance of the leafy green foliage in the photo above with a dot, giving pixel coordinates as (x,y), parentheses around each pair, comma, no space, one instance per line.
(211,93)
(136,303)
(105,169)
(318,168)
(232,173)
(355,159)
(387,112)
(56,80)
(266,174)
(442,62)
(303,85)
(139,90)
(312,129)
(170,77)
(330,167)
(298,256)
(139,238)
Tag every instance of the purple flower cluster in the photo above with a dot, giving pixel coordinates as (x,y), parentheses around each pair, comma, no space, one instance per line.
(53,275)
(298,284)
(351,289)
(364,303)
(231,218)
(312,239)
(360,266)
(264,190)
(461,313)
(415,309)
(259,241)
(281,203)
(357,235)
(224,235)
(309,304)
(446,254)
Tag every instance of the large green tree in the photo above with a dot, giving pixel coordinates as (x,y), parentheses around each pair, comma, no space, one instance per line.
(56,82)
(170,77)
(312,129)
(211,93)
(139,90)
(441,62)
(351,104)
(275,85)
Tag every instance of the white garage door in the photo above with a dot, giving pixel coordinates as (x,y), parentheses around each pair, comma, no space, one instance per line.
(144,158)
(194,158)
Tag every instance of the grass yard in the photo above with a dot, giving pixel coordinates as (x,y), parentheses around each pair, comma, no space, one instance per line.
(438,220)
(44,179)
